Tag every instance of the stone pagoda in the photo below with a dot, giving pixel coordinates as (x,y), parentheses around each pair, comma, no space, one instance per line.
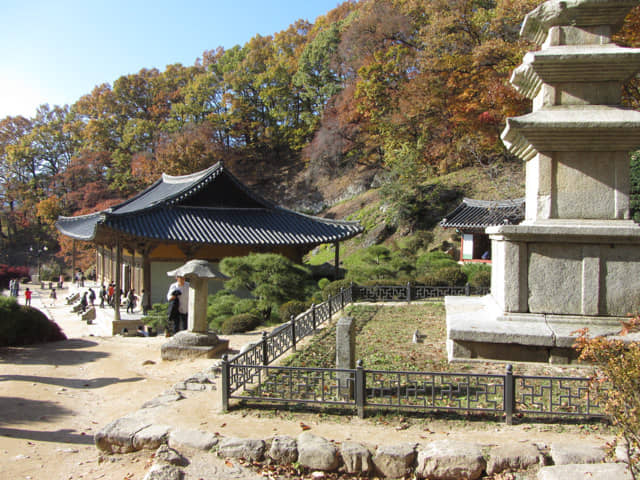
(574,261)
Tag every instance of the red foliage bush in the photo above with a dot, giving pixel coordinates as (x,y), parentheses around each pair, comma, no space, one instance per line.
(8,272)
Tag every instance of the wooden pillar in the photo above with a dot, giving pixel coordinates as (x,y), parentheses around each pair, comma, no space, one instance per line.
(133,269)
(111,262)
(146,271)
(337,261)
(102,264)
(116,302)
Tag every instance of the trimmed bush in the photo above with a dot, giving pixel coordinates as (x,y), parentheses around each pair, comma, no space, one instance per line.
(244,322)
(333,288)
(157,317)
(292,308)
(444,277)
(22,325)
(478,275)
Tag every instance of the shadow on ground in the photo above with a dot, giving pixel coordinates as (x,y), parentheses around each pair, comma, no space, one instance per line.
(70,382)
(66,352)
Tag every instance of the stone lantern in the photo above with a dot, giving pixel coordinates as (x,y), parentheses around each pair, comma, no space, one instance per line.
(196,341)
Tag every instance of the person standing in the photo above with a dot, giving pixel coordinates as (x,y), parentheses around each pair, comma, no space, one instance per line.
(102,293)
(27,297)
(181,286)
(84,302)
(110,293)
(144,301)
(131,300)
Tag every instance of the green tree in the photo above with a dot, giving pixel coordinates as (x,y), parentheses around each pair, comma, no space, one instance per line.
(272,279)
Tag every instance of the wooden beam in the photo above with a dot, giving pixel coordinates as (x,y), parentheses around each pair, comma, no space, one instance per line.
(117,298)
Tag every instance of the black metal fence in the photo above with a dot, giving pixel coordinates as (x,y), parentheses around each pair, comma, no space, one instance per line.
(250,377)
(411,292)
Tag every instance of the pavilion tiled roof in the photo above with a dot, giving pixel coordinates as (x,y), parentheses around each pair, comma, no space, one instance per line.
(209,207)
(474,214)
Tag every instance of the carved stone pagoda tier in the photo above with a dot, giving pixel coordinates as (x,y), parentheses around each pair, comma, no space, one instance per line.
(575,260)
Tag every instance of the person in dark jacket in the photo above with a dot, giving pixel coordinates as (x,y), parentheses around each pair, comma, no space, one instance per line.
(173,312)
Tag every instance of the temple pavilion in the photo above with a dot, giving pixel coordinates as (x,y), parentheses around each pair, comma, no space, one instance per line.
(470,219)
(206,215)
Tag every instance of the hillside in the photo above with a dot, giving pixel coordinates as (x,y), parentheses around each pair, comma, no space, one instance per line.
(404,98)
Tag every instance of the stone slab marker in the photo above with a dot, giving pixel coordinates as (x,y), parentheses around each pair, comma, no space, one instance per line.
(575,259)
(345,353)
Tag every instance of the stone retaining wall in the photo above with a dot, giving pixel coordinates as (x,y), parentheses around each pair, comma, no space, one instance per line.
(437,460)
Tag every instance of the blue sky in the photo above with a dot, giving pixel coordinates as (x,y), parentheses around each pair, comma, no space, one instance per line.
(55,51)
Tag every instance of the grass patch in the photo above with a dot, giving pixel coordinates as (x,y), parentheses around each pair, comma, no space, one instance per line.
(384,335)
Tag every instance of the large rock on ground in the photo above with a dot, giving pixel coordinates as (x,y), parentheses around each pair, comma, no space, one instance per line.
(164,472)
(118,436)
(450,460)
(317,453)
(609,471)
(395,461)
(151,437)
(252,450)
(283,450)
(513,457)
(570,453)
(356,458)
(196,439)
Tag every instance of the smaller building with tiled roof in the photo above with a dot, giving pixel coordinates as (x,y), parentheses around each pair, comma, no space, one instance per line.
(206,215)
(472,217)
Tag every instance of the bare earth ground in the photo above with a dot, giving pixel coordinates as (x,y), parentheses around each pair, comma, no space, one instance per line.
(55,397)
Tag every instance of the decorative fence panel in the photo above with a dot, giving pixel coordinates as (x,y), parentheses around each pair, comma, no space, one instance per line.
(410,292)
(363,389)
(249,376)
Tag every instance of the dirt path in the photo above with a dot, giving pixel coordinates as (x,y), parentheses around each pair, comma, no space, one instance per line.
(54,397)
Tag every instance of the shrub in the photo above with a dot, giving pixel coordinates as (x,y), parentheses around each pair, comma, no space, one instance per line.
(157,317)
(292,308)
(430,262)
(333,288)
(478,275)
(618,367)
(22,325)
(244,322)
(7,272)
(444,277)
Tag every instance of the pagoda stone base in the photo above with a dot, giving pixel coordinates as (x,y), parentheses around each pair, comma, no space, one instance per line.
(187,344)
(478,329)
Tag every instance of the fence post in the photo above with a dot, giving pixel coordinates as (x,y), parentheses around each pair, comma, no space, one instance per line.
(467,289)
(224,379)
(329,302)
(341,298)
(265,349)
(360,388)
(509,394)
(313,316)
(293,333)
(409,292)
(353,295)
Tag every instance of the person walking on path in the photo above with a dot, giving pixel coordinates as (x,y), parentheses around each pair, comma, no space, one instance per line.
(131,301)
(27,297)
(102,294)
(53,296)
(92,296)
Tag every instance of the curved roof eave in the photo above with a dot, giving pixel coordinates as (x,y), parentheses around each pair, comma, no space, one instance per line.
(82,227)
